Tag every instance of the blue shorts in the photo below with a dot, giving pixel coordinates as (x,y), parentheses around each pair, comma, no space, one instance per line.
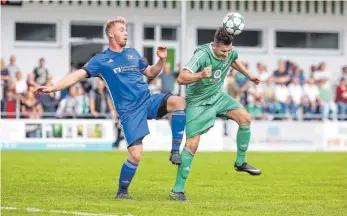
(135,124)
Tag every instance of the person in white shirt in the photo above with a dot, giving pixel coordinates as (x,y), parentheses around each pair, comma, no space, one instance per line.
(13,67)
(283,97)
(296,94)
(20,83)
(311,97)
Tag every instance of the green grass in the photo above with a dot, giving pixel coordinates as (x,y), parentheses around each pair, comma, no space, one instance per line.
(291,184)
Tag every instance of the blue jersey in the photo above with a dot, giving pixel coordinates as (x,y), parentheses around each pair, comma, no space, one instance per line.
(123,75)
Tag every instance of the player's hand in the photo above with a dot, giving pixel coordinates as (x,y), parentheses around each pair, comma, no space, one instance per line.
(44,89)
(207,72)
(162,52)
(254,79)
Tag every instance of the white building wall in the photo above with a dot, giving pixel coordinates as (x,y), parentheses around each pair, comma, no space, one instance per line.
(58,57)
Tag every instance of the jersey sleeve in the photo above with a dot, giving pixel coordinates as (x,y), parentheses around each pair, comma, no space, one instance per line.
(92,67)
(196,63)
(234,55)
(142,63)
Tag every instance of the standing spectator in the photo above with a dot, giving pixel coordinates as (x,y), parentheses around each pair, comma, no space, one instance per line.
(5,78)
(344,72)
(298,73)
(233,89)
(341,98)
(99,100)
(263,74)
(9,103)
(13,67)
(82,101)
(39,75)
(269,105)
(281,75)
(20,83)
(296,94)
(255,101)
(167,79)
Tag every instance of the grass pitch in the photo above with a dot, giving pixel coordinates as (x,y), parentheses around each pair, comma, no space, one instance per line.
(291,184)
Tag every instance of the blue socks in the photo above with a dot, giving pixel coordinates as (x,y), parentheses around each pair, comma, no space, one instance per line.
(126,175)
(177,126)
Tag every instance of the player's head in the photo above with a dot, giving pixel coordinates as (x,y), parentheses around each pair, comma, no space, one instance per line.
(222,43)
(116,31)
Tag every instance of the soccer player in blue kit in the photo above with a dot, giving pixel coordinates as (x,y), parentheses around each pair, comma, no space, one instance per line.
(122,69)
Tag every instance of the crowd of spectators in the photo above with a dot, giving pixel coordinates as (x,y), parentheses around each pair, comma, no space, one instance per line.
(285,93)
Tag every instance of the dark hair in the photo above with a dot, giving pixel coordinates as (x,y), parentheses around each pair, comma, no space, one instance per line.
(223,37)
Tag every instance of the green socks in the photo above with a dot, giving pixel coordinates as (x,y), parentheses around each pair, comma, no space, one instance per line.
(242,139)
(183,170)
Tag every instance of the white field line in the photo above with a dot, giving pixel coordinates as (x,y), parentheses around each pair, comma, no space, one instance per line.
(30,209)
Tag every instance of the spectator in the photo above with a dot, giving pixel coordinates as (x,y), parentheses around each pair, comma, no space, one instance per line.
(323,80)
(154,86)
(263,74)
(341,98)
(13,67)
(40,74)
(48,105)
(281,75)
(233,89)
(298,73)
(296,94)
(255,101)
(68,106)
(311,97)
(5,78)
(82,101)
(20,83)
(344,72)
(30,106)
(9,103)
(167,79)
(269,105)
(99,100)
(243,84)
(282,97)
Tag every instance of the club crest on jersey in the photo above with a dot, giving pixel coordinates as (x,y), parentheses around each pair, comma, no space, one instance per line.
(217,74)
(130,57)
(117,70)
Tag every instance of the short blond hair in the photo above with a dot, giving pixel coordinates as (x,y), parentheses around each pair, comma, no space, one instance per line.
(112,22)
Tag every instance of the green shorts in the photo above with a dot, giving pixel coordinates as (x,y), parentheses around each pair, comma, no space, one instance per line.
(199,119)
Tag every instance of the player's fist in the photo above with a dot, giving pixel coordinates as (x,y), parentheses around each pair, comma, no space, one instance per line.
(207,72)
(254,79)
(44,89)
(162,52)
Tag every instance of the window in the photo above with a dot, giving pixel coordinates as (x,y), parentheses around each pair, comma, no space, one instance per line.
(168,33)
(36,32)
(148,53)
(148,33)
(247,38)
(86,31)
(205,36)
(307,40)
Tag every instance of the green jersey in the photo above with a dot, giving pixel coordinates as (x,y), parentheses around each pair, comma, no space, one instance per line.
(206,90)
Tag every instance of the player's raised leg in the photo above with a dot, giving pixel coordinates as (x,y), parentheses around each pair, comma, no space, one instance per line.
(183,170)
(242,139)
(175,105)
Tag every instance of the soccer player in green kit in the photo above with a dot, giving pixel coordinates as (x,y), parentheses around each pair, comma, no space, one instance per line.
(205,101)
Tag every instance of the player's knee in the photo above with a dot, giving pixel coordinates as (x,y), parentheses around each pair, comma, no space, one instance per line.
(179,103)
(245,119)
(192,144)
(135,156)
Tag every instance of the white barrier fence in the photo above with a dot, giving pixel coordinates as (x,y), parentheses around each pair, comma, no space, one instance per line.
(100,134)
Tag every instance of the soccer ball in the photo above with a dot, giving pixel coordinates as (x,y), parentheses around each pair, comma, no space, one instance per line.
(234,23)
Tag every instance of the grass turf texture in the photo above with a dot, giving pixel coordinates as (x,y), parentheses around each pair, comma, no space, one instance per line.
(291,184)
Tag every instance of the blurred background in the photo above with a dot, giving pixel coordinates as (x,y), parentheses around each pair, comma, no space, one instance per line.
(298,49)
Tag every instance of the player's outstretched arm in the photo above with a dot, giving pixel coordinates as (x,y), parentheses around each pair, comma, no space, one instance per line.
(237,65)
(154,70)
(65,82)
(187,77)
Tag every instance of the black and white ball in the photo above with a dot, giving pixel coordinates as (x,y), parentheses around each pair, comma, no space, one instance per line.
(234,23)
